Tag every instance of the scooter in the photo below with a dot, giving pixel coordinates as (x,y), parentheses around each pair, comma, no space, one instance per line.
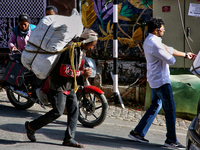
(21,84)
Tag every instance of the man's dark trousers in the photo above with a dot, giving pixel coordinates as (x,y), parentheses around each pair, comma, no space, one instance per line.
(59,101)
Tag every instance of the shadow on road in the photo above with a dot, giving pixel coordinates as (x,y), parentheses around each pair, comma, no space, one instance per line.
(83,137)
(54,132)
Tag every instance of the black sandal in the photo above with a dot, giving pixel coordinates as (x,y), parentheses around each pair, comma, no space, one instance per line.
(30,132)
(73,143)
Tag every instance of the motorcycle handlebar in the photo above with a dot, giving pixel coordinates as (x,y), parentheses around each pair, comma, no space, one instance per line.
(16,51)
(15,55)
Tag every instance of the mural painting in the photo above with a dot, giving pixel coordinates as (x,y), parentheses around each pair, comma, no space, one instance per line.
(132,29)
(133,16)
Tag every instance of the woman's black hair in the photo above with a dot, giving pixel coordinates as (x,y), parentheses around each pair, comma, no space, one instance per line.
(24,17)
(155,23)
(53,8)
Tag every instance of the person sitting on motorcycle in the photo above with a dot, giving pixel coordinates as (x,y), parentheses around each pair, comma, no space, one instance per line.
(62,79)
(21,33)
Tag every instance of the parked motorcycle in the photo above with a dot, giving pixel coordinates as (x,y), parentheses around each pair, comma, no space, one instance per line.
(21,84)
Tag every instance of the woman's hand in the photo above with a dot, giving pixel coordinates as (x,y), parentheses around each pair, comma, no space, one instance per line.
(14,48)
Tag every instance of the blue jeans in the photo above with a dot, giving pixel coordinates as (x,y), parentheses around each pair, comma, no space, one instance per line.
(161,97)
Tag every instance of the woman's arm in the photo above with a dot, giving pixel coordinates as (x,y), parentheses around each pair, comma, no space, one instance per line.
(12,41)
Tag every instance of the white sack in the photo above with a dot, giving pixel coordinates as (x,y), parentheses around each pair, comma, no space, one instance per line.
(55,31)
(195,68)
(42,64)
(51,34)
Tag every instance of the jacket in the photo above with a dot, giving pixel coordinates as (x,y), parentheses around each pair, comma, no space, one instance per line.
(19,41)
(61,77)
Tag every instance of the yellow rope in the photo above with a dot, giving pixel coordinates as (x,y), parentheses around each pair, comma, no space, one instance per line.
(73,45)
(71,48)
(77,44)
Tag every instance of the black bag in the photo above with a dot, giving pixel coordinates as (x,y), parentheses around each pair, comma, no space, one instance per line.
(14,73)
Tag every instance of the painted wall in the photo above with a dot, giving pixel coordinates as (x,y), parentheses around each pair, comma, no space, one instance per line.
(132,29)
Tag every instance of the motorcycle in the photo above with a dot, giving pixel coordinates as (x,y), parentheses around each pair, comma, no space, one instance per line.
(21,84)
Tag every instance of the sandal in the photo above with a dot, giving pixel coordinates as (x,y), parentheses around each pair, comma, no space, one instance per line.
(30,132)
(73,143)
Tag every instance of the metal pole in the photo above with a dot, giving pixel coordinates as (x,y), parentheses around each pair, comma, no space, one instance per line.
(118,94)
(78,6)
(115,51)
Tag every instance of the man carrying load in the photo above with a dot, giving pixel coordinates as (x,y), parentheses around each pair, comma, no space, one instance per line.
(61,79)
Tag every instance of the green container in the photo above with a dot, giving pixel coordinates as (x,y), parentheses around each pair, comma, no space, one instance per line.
(186,91)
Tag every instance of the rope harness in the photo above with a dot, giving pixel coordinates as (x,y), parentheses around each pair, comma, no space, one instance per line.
(71,48)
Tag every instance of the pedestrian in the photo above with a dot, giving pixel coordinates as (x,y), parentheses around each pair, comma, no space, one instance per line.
(21,33)
(61,79)
(51,10)
(158,58)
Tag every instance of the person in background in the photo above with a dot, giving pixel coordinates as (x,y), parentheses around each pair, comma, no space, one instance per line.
(51,10)
(158,57)
(62,79)
(21,33)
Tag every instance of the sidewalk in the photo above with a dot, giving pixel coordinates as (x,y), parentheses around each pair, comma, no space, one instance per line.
(128,114)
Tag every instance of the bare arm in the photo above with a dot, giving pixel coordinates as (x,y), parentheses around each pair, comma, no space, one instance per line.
(178,53)
(183,54)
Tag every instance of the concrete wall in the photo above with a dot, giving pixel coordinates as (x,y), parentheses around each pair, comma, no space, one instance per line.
(132,81)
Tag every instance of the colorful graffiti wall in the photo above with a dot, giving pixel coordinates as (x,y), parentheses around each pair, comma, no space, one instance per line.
(132,29)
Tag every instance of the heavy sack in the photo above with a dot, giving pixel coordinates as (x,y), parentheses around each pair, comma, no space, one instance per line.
(54,31)
(49,37)
(195,68)
(42,64)
(14,73)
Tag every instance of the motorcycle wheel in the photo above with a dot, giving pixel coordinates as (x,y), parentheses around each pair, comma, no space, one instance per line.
(94,111)
(18,101)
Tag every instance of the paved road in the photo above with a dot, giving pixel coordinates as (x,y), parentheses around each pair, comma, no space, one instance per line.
(112,134)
